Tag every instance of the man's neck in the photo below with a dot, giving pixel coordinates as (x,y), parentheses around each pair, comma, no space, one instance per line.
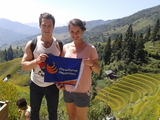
(46,39)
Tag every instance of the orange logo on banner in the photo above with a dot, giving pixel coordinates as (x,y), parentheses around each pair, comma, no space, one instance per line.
(51,69)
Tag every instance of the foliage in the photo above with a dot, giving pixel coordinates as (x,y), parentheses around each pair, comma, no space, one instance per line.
(156,32)
(134,53)
(134,97)
(107,52)
(96,110)
(153,49)
(140,21)
(11,93)
(10,54)
(62,111)
(15,88)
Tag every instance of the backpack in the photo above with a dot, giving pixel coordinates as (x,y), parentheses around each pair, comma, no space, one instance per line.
(34,43)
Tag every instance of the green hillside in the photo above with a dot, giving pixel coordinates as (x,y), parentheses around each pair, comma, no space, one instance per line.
(15,88)
(140,21)
(134,97)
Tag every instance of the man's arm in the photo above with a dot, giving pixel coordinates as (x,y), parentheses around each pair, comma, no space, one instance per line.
(27,63)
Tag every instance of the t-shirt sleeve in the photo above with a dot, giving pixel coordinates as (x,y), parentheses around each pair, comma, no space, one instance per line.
(5,79)
(28,109)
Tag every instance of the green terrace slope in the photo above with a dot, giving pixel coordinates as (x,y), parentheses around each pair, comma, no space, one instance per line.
(13,67)
(136,97)
(15,88)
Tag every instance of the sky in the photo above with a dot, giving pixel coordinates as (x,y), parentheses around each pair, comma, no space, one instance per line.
(27,11)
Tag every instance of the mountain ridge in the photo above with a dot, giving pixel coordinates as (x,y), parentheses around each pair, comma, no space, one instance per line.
(18,27)
(140,20)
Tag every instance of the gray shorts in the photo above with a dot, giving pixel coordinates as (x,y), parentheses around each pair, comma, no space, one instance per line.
(79,99)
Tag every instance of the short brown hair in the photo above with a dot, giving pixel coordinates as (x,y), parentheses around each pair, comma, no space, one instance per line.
(21,102)
(47,16)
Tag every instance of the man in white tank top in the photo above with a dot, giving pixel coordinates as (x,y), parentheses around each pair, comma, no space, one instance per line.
(46,43)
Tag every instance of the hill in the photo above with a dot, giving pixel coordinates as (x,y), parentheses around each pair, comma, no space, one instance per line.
(18,34)
(9,36)
(11,31)
(99,30)
(140,21)
(33,24)
(60,33)
(18,27)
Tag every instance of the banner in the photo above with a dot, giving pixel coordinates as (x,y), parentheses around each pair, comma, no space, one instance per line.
(63,70)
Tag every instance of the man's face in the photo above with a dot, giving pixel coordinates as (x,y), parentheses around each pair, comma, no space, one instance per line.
(47,27)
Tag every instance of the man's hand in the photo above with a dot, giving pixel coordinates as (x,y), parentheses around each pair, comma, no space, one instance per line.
(60,86)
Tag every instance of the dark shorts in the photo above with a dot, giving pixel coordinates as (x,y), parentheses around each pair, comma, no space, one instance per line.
(79,99)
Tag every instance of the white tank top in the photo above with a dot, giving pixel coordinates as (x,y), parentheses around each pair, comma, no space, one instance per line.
(37,76)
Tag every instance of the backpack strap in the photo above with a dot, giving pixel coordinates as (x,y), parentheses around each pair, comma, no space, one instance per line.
(34,43)
(60,45)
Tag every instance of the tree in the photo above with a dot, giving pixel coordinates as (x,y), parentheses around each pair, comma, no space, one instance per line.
(5,55)
(17,53)
(107,52)
(156,34)
(128,46)
(116,48)
(99,47)
(119,51)
(147,37)
(139,53)
(10,53)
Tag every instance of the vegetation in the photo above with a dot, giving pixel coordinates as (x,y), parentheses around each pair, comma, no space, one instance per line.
(135,97)
(10,54)
(16,87)
(140,22)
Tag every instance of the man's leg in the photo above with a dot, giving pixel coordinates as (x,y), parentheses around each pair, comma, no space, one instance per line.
(36,95)
(52,97)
